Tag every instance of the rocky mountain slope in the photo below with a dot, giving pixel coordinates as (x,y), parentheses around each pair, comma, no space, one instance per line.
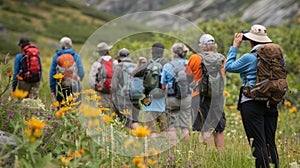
(267,12)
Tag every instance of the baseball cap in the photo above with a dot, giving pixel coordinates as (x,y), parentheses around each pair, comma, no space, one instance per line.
(258,33)
(206,39)
(23,42)
(103,46)
(158,45)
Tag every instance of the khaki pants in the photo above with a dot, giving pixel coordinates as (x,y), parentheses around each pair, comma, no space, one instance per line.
(31,88)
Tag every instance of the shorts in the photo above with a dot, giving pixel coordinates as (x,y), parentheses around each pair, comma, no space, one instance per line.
(152,118)
(218,121)
(179,112)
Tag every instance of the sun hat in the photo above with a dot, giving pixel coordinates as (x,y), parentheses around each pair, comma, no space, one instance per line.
(103,47)
(206,39)
(258,33)
(66,42)
(124,54)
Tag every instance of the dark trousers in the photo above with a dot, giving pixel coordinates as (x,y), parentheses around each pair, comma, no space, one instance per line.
(260,124)
(196,120)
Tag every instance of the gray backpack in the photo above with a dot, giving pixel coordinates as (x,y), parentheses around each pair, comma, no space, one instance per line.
(211,83)
(180,88)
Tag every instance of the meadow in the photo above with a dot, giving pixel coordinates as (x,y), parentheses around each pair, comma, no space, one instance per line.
(90,136)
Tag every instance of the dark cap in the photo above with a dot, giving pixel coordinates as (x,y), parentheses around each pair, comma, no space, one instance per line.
(158,45)
(23,42)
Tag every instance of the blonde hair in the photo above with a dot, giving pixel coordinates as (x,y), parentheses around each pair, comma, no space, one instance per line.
(208,47)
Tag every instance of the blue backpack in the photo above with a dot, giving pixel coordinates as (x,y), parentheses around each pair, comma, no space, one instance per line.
(132,86)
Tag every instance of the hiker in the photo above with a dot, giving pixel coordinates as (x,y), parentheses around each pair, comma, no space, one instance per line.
(68,63)
(27,69)
(259,120)
(178,101)
(154,103)
(202,103)
(126,108)
(101,73)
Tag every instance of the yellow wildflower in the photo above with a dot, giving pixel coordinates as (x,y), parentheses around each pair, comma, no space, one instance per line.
(96,122)
(70,98)
(288,103)
(232,107)
(64,109)
(58,76)
(76,94)
(293,109)
(59,114)
(107,119)
(99,104)
(32,139)
(20,93)
(89,92)
(65,160)
(95,97)
(78,154)
(151,162)
(141,166)
(141,131)
(56,104)
(90,111)
(81,151)
(226,93)
(125,112)
(38,133)
(71,153)
(27,132)
(137,160)
(35,124)
(63,102)
(104,109)
(113,114)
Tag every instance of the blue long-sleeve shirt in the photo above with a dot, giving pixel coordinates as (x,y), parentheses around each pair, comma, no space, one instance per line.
(78,61)
(17,64)
(167,74)
(245,65)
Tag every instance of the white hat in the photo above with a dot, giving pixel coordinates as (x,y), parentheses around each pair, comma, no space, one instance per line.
(103,47)
(258,33)
(206,39)
(66,42)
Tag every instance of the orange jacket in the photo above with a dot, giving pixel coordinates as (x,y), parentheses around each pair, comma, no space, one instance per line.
(193,68)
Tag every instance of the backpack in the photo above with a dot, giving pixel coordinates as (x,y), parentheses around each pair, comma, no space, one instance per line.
(211,83)
(180,88)
(270,85)
(30,65)
(104,75)
(132,86)
(66,65)
(151,78)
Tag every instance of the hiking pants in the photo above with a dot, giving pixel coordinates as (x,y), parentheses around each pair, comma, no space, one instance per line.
(195,113)
(260,124)
(31,88)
